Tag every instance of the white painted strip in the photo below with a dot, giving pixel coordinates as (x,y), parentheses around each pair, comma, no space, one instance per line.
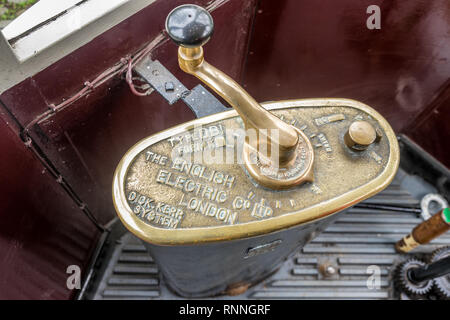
(75,19)
(38,13)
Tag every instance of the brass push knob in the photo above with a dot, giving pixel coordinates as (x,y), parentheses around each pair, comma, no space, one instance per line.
(288,154)
(360,135)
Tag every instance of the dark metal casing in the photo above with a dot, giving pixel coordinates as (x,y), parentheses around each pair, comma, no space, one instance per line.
(221,267)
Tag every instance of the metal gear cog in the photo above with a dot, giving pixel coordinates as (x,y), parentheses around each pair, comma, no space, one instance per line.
(404,284)
(441,285)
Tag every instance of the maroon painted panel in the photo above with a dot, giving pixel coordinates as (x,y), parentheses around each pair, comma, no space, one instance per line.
(300,48)
(432,128)
(25,101)
(86,141)
(322,48)
(42,231)
(65,77)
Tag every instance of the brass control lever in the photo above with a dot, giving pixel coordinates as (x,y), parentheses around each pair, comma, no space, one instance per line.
(288,155)
(193,215)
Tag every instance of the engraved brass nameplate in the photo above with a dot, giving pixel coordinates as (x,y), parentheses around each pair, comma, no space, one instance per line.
(165,199)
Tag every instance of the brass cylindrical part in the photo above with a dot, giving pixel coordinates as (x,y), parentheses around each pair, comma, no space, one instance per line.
(426,231)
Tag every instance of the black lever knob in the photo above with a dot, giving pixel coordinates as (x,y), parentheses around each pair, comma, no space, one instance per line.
(189,25)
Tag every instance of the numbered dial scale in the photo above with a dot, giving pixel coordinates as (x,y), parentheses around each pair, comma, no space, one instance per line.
(188,184)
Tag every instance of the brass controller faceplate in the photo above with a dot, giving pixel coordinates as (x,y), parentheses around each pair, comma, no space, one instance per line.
(165,200)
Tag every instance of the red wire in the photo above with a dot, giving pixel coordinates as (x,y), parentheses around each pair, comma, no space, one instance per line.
(126,65)
(137,58)
(129,80)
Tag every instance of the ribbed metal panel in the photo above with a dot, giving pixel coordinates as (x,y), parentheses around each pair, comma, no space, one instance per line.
(360,238)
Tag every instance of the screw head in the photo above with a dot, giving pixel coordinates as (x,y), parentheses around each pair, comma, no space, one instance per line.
(331,270)
(169,86)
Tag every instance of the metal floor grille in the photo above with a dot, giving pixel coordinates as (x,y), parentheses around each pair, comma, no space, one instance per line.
(358,239)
